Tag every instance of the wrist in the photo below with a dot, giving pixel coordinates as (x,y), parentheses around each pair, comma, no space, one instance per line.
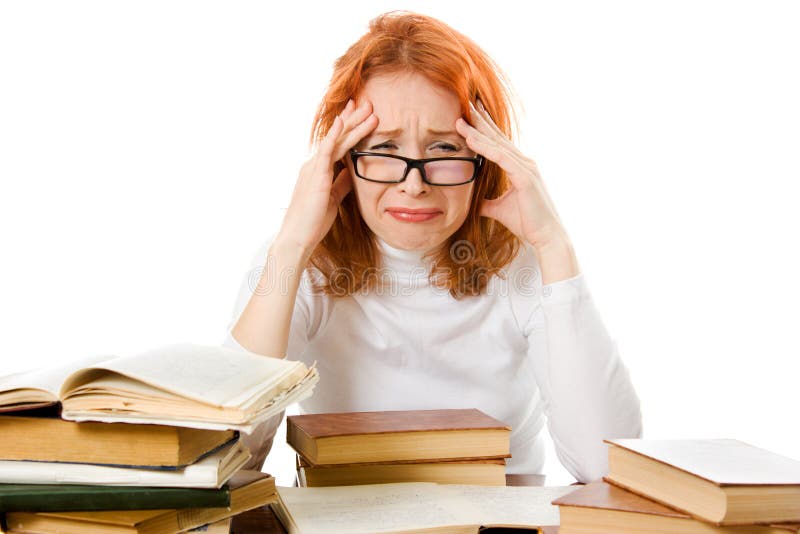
(290,251)
(557,261)
(288,257)
(556,246)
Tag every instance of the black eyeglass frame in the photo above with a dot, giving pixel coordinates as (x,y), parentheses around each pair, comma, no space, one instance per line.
(418,164)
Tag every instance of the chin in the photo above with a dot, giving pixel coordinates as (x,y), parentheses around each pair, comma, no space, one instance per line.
(422,240)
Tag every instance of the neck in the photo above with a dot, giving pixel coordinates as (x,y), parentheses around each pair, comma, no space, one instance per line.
(403,262)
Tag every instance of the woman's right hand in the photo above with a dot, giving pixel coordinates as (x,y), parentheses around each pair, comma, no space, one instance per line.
(317,194)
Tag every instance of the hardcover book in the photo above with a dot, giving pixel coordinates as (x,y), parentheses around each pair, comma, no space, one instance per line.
(248,490)
(389,436)
(600,508)
(491,472)
(722,481)
(209,472)
(29,436)
(75,497)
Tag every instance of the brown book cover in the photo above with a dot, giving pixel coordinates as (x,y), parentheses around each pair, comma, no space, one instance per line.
(600,507)
(363,437)
(325,425)
(722,481)
(248,490)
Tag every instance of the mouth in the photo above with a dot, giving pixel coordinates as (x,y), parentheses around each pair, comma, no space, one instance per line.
(413,215)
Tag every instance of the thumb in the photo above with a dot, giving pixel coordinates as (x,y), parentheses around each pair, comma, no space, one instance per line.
(488,208)
(342,185)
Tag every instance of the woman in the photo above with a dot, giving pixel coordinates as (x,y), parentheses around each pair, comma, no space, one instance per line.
(450,283)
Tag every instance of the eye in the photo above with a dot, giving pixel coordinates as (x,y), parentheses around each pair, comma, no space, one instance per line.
(386,145)
(447,147)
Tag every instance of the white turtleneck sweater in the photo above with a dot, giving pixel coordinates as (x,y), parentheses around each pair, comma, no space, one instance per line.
(523,353)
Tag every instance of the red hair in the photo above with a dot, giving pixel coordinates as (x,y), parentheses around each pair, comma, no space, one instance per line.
(400,42)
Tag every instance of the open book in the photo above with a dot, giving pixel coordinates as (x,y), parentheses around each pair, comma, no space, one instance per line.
(182,384)
(415,507)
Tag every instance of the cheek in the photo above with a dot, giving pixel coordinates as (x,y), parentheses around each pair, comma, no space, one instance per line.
(460,203)
(358,184)
(366,197)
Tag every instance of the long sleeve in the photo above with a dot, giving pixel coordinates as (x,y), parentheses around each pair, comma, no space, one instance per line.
(586,389)
(260,440)
(301,321)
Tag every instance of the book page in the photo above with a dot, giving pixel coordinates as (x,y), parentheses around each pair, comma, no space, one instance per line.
(48,379)
(213,375)
(369,508)
(78,408)
(416,506)
(507,506)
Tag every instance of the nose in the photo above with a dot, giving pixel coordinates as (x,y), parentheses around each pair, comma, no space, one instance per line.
(413,184)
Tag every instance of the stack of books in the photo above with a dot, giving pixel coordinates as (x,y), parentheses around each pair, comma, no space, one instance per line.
(443,446)
(687,486)
(142,443)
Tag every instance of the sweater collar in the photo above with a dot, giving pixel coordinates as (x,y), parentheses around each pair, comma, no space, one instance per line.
(404,262)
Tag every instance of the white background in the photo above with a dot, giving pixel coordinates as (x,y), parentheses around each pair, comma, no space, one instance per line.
(147,149)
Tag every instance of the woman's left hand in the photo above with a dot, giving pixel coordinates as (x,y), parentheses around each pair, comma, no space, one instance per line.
(525,208)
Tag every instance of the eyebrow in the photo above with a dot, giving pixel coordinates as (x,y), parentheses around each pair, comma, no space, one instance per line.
(397,131)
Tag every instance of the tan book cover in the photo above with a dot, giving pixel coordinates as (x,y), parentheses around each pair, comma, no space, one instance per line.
(365,437)
(721,481)
(32,438)
(600,508)
(484,472)
(249,489)
(302,462)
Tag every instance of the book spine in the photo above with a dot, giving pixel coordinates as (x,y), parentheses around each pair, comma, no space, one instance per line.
(96,498)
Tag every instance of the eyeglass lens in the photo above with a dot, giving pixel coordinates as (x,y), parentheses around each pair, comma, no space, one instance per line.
(438,172)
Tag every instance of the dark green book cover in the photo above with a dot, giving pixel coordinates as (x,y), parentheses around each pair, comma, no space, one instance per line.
(74,498)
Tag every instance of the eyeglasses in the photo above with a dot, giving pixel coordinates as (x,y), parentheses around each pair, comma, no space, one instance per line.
(391,169)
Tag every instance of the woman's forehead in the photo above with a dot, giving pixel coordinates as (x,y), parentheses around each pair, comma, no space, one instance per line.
(399,98)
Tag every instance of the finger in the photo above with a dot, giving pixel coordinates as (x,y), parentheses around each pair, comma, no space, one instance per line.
(350,139)
(492,150)
(329,141)
(357,115)
(488,119)
(348,109)
(322,159)
(488,146)
(484,123)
